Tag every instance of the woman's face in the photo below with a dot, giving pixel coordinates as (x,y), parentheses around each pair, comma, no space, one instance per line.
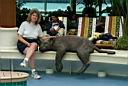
(34,17)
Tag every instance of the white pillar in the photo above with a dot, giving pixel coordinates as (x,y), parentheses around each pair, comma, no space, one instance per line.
(8,38)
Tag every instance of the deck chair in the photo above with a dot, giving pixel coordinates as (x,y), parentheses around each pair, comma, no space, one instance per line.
(86,27)
(113,26)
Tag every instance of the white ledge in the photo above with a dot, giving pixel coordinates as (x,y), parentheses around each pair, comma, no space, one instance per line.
(8,29)
(121,56)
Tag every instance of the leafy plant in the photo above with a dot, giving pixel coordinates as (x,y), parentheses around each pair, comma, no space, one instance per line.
(120,8)
(91,7)
(89,10)
(122,43)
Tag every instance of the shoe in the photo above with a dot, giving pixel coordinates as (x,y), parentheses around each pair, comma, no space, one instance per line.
(35,75)
(24,63)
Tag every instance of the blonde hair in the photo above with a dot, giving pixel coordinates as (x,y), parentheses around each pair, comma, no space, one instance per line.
(30,14)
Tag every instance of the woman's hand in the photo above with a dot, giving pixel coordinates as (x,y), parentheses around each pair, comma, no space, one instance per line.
(47,37)
(28,44)
(52,30)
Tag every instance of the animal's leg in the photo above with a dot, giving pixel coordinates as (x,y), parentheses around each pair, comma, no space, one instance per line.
(84,57)
(58,60)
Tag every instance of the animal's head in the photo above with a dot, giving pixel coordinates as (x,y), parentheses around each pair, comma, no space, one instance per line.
(45,44)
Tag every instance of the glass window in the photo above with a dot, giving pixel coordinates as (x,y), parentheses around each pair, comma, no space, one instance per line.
(57,6)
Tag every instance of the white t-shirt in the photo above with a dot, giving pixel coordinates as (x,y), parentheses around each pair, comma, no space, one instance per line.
(30,30)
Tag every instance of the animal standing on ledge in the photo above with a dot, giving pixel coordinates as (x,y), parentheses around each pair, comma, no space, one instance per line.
(63,44)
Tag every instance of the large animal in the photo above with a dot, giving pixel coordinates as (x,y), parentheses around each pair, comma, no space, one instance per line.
(63,44)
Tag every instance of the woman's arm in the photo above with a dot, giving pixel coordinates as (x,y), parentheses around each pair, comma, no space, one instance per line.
(20,38)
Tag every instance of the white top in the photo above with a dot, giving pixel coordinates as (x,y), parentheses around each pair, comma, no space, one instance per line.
(30,30)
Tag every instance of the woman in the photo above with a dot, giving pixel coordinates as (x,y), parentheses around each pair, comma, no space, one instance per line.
(27,43)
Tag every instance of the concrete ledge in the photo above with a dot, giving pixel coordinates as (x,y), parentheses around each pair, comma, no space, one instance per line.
(121,56)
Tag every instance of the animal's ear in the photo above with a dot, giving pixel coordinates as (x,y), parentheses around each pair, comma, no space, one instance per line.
(51,39)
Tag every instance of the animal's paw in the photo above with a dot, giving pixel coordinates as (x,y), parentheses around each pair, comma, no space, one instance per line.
(59,67)
(84,68)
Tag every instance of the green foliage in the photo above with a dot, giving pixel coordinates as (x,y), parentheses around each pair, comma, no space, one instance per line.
(91,7)
(122,43)
(120,8)
(21,14)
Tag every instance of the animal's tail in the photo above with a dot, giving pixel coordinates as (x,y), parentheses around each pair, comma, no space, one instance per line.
(103,51)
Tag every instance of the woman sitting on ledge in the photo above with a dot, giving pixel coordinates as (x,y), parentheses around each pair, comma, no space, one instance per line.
(27,44)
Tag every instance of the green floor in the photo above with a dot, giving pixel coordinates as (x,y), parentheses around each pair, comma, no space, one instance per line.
(23,83)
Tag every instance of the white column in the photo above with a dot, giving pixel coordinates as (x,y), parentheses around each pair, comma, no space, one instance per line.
(8,38)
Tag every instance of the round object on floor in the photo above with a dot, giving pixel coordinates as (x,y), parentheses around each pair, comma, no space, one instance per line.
(101,74)
(49,71)
(7,78)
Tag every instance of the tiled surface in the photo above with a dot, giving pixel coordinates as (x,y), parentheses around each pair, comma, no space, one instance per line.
(24,83)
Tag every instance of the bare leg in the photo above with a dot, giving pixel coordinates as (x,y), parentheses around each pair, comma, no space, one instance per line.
(30,55)
(29,52)
(32,62)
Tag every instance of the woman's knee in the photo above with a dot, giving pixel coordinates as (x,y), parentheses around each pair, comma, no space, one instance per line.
(34,45)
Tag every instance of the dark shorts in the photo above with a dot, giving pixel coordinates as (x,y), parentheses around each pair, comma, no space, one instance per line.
(21,46)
